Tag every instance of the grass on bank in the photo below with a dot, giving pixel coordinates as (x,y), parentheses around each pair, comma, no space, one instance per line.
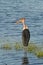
(33,48)
(39,54)
(6,46)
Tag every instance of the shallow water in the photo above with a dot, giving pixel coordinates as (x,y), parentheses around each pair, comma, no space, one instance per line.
(10,12)
(12,57)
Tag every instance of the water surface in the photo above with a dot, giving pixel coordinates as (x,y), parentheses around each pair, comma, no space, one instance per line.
(12,10)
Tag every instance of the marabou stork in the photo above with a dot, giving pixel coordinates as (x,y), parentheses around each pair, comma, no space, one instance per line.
(25,32)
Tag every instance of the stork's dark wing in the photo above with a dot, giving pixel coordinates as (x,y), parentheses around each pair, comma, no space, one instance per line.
(26,36)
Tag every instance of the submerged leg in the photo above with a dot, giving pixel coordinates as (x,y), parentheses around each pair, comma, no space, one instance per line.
(25,48)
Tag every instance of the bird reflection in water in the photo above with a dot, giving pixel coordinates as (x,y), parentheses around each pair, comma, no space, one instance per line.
(25,39)
(25,59)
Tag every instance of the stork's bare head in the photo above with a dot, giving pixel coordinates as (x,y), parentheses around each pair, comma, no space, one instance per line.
(21,20)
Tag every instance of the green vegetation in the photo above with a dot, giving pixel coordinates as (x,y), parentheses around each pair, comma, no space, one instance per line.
(39,54)
(6,46)
(17,46)
(33,48)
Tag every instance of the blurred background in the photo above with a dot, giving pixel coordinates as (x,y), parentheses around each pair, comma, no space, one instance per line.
(10,32)
(11,11)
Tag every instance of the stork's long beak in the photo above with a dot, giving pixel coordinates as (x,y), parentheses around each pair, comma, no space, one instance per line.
(18,21)
(22,20)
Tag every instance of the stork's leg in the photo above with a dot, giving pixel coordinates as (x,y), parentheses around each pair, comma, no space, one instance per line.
(25,48)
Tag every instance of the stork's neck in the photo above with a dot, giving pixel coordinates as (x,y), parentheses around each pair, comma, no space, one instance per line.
(23,24)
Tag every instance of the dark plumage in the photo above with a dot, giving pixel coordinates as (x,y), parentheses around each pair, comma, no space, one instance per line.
(25,32)
(25,37)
